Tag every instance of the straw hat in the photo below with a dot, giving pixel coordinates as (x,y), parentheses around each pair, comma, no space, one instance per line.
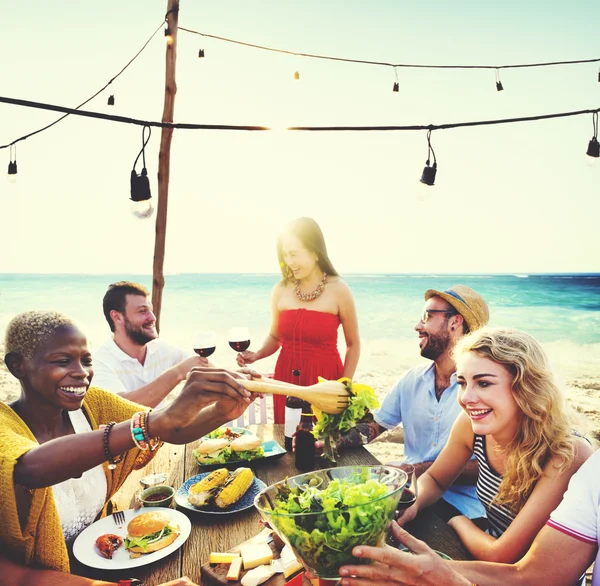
(467,302)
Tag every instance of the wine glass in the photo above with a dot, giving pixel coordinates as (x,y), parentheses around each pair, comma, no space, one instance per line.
(205,343)
(239,339)
(407,499)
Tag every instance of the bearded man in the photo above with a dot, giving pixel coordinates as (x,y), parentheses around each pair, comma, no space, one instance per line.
(133,362)
(424,400)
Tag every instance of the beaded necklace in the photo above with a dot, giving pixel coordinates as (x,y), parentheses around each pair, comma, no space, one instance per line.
(313,294)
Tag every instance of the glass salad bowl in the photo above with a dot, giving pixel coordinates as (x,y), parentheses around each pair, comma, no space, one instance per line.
(324,514)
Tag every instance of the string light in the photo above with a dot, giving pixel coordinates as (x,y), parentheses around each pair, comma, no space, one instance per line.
(499,85)
(12,164)
(296,75)
(396,87)
(111,100)
(429,172)
(140,185)
(593,149)
(168,35)
(201,54)
(26,136)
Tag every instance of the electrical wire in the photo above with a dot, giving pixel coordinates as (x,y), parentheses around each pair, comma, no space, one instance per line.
(385,63)
(26,136)
(192,126)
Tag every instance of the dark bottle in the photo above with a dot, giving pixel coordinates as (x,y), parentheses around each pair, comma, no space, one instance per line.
(293,410)
(305,440)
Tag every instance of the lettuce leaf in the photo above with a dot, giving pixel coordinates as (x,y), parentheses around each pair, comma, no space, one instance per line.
(143,542)
(362,401)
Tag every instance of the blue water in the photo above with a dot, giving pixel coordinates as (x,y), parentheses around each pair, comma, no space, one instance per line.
(553,308)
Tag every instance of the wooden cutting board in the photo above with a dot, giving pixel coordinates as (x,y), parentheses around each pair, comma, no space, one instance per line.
(217,573)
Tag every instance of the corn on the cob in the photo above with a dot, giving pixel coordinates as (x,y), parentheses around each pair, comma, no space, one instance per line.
(214,479)
(235,488)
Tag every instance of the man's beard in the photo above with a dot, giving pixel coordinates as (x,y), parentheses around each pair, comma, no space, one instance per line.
(137,334)
(436,345)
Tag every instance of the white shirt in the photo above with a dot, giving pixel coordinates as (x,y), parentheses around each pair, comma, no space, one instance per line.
(80,500)
(578,515)
(116,371)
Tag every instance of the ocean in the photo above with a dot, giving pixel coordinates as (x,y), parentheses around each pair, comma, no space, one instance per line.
(561,310)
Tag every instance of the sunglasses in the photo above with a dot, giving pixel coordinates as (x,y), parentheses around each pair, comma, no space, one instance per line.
(426,313)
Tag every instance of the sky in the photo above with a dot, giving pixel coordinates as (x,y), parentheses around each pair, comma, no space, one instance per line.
(517,198)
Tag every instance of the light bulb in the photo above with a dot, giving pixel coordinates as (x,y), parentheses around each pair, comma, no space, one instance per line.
(142,209)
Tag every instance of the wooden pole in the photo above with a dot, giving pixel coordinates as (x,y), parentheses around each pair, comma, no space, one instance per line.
(164,160)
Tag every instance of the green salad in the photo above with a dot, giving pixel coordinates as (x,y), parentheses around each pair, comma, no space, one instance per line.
(329,428)
(228,455)
(347,513)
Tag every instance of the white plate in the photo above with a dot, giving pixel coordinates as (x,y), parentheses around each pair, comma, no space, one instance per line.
(84,548)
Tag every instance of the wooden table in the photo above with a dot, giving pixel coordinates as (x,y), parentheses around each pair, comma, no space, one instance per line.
(210,534)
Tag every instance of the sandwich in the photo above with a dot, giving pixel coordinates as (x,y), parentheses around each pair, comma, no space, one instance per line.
(247,447)
(150,532)
(213,451)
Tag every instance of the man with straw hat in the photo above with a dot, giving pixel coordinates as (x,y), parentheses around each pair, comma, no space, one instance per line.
(424,398)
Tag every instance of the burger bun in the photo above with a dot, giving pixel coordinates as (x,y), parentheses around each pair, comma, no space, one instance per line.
(245,443)
(147,523)
(212,445)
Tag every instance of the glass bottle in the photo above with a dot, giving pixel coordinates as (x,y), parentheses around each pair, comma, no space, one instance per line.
(305,440)
(293,410)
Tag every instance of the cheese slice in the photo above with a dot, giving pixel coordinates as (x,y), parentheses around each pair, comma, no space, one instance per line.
(257,575)
(223,558)
(255,554)
(290,563)
(234,569)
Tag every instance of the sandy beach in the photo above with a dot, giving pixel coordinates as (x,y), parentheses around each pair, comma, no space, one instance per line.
(380,370)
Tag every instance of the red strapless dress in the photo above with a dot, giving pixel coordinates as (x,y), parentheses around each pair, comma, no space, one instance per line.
(308,350)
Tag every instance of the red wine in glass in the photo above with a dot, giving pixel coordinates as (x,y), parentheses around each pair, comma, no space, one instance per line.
(239,339)
(407,499)
(204,343)
(205,352)
(240,346)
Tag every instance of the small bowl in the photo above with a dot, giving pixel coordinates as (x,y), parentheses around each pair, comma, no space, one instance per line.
(147,497)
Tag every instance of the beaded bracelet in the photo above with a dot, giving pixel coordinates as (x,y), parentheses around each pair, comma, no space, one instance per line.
(112,462)
(152,442)
(137,431)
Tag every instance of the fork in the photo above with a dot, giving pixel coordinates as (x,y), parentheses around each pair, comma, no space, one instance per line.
(119,518)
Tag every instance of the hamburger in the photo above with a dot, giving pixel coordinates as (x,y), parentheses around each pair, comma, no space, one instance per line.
(213,451)
(247,447)
(150,532)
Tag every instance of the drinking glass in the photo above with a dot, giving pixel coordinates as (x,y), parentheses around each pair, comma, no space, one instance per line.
(409,494)
(239,339)
(205,343)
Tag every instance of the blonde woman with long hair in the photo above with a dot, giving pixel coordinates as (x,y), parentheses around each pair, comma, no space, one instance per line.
(515,421)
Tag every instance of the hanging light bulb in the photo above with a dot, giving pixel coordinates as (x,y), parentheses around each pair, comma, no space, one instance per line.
(111,100)
(396,87)
(593,149)
(296,75)
(599,75)
(12,171)
(12,164)
(201,54)
(499,85)
(140,185)
(429,171)
(168,35)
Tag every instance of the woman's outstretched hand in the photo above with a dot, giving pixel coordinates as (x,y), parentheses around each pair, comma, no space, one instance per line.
(245,358)
(422,566)
(204,387)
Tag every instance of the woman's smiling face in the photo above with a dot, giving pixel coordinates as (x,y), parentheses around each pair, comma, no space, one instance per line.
(485,394)
(60,370)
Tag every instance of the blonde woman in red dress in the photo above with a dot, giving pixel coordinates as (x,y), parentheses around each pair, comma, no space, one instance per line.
(308,305)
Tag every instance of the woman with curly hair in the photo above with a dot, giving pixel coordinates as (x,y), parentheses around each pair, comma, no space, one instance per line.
(515,422)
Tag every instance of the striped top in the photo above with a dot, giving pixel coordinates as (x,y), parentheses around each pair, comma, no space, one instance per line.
(488,483)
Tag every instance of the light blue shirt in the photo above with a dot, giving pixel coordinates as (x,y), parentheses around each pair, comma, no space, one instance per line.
(427,423)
